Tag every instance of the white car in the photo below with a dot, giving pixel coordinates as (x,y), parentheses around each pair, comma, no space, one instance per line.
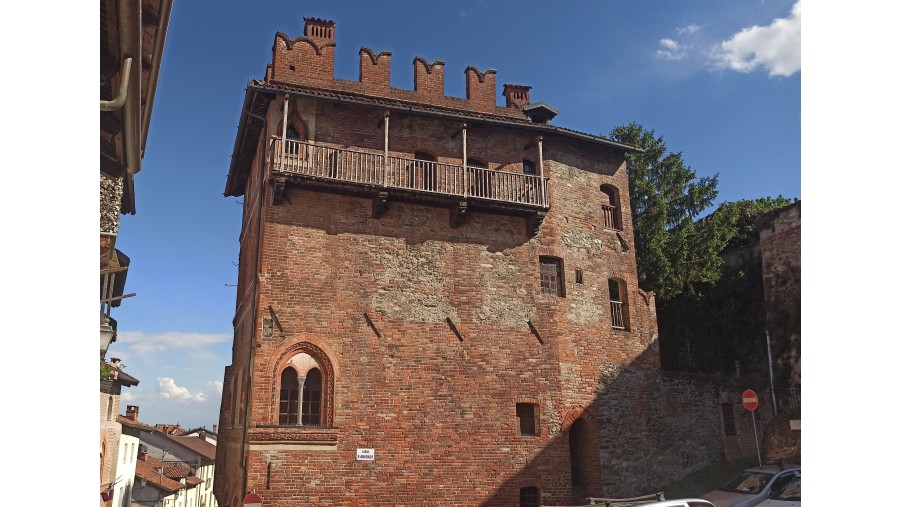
(753,486)
(683,502)
(788,496)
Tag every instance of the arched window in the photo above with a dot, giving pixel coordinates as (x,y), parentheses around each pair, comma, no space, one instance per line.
(305,387)
(290,390)
(618,307)
(612,209)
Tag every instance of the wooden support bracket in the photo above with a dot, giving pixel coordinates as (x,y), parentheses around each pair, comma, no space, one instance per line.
(458,214)
(379,205)
(278,194)
(534,223)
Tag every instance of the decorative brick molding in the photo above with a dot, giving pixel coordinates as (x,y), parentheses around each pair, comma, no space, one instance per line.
(327,381)
(293,435)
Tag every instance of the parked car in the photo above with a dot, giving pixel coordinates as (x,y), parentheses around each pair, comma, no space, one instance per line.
(753,486)
(788,496)
(683,502)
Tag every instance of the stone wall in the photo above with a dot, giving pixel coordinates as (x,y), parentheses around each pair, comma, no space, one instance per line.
(110,203)
(779,242)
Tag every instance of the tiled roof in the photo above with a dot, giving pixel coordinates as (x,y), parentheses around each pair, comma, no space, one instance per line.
(148,469)
(198,445)
(416,106)
(134,424)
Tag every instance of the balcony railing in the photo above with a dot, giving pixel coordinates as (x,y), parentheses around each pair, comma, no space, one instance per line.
(375,170)
(618,314)
(610,220)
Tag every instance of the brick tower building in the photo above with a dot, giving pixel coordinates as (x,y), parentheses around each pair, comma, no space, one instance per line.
(430,281)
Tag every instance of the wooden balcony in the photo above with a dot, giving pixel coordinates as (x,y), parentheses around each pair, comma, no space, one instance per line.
(373,173)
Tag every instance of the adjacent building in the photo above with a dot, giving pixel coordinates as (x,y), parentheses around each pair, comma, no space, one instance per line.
(432,292)
(132,36)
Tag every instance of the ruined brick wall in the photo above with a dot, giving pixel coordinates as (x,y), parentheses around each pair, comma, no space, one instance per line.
(779,242)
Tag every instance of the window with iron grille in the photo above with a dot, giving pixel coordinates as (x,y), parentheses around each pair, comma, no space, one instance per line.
(728,419)
(527,414)
(530,497)
(552,277)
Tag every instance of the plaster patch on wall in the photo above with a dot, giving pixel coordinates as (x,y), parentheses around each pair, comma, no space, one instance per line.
(410,282)
(502,303)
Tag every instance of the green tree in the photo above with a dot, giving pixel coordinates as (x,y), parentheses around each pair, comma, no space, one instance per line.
(674,252)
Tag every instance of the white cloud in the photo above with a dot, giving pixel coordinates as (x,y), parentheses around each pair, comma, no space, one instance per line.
(687,30)
(170,391)
(149,343)
(775,48)
(670,50)
(215,385)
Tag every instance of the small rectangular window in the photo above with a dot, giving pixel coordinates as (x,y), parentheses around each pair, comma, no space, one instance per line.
(579,275)
(552,277)
(527,414)
(728,419)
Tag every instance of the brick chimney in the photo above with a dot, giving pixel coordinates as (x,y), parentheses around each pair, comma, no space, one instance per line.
(516,95)
(481,88)
(131,412)
(309,57)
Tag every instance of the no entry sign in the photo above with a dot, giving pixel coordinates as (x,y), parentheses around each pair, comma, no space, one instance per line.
(252,500)
(750,400)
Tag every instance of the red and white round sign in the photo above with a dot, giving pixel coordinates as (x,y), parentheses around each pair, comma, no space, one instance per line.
(750,400)
(252,500)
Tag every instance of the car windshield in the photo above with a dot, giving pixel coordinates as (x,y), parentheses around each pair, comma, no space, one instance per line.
(747,482)
(790,492)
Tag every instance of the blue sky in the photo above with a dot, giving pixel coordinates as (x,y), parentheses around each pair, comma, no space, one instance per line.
(719,80)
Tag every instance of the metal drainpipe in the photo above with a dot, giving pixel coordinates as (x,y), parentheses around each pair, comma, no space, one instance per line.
(771,373)
(122,95)
(250,347)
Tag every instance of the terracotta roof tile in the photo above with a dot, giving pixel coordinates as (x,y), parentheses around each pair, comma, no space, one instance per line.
(198,445)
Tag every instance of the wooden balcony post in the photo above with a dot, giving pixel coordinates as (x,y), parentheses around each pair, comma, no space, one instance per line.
(284,131)
(465,164)
(387,117)
(540,141)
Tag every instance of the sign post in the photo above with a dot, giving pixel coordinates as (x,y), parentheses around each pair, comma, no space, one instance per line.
(751,402)
(252,500)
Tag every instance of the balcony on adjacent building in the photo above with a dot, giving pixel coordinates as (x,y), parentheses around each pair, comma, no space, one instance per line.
(372,172)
